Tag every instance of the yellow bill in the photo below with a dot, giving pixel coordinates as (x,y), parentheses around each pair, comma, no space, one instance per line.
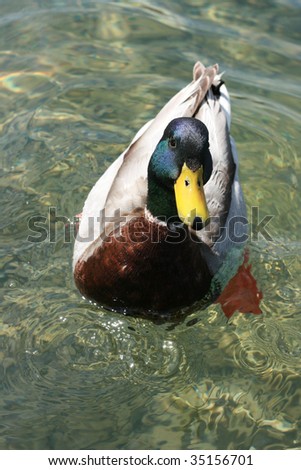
(190,197)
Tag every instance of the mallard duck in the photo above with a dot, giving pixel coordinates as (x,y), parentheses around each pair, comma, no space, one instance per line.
(159,225)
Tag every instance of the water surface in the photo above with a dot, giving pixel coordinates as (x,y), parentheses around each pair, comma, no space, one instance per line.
(78,79)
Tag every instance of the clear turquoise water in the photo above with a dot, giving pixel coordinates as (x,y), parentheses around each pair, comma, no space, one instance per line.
(77,80)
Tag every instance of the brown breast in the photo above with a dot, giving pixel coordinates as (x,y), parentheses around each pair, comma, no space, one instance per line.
(145,266)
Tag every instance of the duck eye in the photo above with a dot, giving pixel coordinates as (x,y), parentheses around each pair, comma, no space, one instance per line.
(172,143)
(187,182)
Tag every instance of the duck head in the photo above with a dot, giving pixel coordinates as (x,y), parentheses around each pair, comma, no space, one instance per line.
(179,167)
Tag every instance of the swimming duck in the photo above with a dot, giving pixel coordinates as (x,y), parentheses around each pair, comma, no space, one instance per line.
(159,225)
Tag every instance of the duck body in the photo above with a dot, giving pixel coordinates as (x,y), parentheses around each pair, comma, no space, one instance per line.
(155,228)
(148,259)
